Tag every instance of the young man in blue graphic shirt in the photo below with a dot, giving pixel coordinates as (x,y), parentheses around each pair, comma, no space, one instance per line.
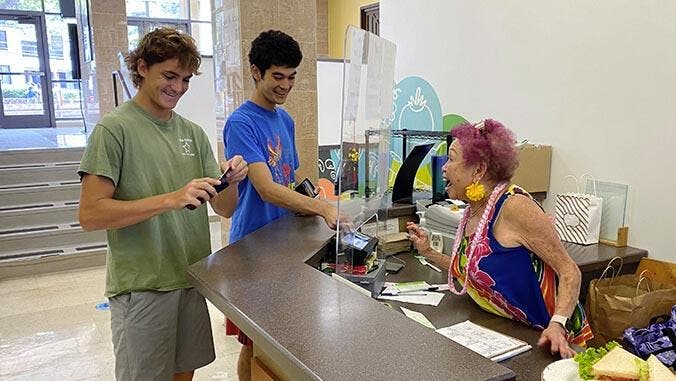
(263,134)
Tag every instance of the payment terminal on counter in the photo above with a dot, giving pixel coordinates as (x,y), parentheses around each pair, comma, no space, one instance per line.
(360,244)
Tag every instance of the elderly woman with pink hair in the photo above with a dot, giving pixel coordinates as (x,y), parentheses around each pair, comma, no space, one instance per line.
(507,255)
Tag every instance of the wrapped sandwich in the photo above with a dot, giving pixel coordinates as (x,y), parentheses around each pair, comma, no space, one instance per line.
(613,363)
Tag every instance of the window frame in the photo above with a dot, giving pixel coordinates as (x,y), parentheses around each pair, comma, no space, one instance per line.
(141,22)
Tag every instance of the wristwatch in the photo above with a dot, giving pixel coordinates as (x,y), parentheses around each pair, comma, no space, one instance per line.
(561,320)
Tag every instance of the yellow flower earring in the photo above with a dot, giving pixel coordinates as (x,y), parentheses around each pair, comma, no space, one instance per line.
(475,191)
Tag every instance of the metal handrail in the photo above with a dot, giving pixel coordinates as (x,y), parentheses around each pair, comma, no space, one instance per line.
(117,77)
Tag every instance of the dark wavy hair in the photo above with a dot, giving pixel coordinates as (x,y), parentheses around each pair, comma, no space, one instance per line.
(491,142)
(160,45)
(274,48)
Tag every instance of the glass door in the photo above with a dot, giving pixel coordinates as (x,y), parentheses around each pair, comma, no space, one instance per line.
(24,81)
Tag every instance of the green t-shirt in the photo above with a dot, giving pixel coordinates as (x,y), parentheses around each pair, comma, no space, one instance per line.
(144,157)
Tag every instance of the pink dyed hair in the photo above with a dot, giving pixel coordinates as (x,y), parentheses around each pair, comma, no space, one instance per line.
(493,144)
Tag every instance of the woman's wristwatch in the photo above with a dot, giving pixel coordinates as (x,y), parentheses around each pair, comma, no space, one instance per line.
(562,320)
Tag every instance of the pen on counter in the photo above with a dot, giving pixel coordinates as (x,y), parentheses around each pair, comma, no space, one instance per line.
(435,268)
(412,293)
(406,293)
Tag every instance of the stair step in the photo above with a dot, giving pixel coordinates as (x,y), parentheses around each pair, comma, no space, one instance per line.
(25,166)
(39,195)
(37,216)
(39,232)
(57,172)
(47,237)
(38,156)
(64,250)
(28,263)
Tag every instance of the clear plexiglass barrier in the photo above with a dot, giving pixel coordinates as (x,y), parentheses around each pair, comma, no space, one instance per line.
(367,112)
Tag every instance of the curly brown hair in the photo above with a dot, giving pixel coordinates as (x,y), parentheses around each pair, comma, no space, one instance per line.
(160,45)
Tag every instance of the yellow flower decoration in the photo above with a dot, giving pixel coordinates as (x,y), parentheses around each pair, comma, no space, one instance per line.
(475,191)
(353,155)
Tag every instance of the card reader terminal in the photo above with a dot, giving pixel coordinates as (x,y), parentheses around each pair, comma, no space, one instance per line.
(361,245)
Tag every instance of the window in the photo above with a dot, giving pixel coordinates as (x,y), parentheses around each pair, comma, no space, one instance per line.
(29,48)
(190,16)
(61,90)
(6,79)
(55,46)
(3,40)
(34,78)
(62,81)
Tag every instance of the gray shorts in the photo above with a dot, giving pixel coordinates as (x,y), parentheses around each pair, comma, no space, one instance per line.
(157,334)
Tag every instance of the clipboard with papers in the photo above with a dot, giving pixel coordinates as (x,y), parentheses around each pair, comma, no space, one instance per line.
(484,341)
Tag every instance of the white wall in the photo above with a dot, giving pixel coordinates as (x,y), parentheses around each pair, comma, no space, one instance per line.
(329,100)
(198,104)
(596,80)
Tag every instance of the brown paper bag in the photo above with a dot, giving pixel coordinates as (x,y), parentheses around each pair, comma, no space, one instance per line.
(619,302)
(660,271)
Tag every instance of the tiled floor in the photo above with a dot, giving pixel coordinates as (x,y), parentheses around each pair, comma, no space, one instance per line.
(50,329)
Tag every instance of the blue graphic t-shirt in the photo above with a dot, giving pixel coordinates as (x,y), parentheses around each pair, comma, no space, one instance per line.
(260,135)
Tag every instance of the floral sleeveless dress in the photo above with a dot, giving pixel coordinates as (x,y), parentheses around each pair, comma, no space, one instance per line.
(513,282)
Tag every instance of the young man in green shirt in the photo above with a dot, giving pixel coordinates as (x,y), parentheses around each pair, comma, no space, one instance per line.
(143,166)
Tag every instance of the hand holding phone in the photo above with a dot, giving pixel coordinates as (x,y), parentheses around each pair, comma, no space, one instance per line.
(307,188)
(219,188)
(224,183)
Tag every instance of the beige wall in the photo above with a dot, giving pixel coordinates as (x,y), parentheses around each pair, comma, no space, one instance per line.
(322,28)
(108,25)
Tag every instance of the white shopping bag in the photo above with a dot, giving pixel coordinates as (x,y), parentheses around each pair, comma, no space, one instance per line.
(578,216)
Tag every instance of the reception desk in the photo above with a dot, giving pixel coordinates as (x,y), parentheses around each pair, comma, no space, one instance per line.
(308,326)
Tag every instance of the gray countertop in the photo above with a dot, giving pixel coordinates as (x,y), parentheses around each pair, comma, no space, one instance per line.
(317,328)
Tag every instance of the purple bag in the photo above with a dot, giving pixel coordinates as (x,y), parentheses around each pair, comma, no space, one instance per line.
(658,339)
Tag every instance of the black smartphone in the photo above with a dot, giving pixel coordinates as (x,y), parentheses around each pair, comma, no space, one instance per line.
(307,188)
(224,183)
(219,188)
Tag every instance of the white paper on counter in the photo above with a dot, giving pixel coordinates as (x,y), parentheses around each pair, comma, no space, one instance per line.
(484,341)
(419,317)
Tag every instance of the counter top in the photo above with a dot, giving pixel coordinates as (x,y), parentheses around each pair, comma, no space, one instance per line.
(454,309)
(596,257)
(316,328)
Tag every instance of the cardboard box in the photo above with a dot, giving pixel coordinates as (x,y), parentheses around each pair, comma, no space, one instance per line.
(535,163)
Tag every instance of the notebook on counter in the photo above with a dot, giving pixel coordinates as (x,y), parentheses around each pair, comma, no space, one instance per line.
(484,341)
